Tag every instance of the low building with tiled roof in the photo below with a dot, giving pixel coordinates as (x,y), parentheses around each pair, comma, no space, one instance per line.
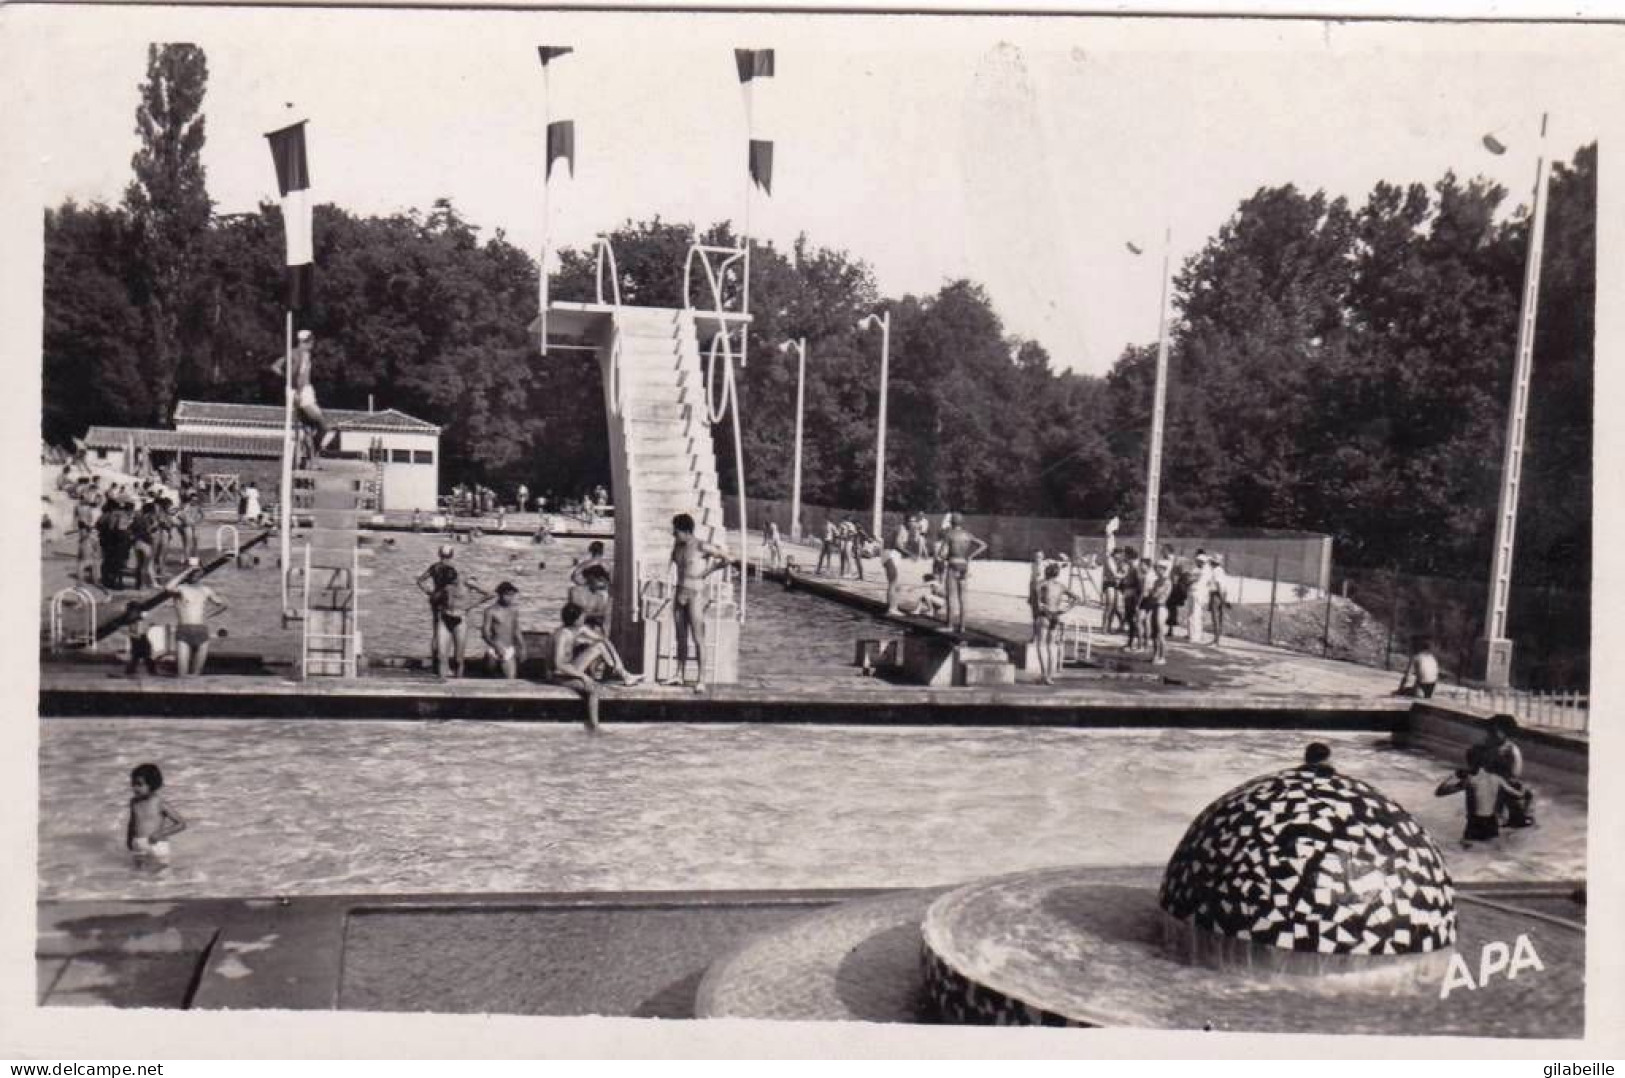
(240,443)
(248,418)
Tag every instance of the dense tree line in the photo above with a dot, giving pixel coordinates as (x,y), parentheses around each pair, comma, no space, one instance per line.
(1334,367)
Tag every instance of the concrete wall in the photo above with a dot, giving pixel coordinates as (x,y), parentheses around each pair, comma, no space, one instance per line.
(409,483)
(1548,758)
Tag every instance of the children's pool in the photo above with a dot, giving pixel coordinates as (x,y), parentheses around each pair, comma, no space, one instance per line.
(352,807)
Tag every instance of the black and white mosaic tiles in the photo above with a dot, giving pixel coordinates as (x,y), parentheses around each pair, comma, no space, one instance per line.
(1312,861)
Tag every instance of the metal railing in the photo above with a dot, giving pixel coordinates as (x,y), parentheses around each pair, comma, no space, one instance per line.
(723,400)
(60,636)
(1556,710)
(620,398)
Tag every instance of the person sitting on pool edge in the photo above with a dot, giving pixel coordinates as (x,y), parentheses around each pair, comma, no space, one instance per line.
(580,655)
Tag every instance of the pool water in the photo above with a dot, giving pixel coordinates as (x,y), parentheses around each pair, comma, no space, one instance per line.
(789,635)
(279,807)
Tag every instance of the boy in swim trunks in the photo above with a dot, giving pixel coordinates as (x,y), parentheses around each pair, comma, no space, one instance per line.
(693,563)
(891,562)
(1051,603)
(136,627)
(592,594)
(194,604)
(1484,789)
(152,821)
(504,642)
(932,602)
(957,548)
(304,391)
(595,558)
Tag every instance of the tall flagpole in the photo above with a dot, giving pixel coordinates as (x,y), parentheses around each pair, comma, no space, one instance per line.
(1496,647)
(547,216)
(287,459)
(750,182)
(1153,478)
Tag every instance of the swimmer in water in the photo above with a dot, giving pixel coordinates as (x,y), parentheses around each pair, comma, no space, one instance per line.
(152,821)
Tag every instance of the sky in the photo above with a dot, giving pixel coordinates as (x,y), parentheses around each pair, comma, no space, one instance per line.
(1020,152)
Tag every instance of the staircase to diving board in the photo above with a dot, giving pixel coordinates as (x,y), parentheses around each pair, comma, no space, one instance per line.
(330,497)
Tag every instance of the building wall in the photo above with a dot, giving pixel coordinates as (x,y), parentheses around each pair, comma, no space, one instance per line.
(411,466)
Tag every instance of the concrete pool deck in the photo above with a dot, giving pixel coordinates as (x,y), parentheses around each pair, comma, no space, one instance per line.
(796,661)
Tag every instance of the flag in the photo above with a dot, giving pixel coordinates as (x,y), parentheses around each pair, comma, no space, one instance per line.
(561,142)
(293,182)
(754,63)
(761,164)
(552,52)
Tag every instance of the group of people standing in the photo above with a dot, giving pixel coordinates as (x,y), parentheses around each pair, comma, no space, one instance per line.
(127,534)
(1148,598)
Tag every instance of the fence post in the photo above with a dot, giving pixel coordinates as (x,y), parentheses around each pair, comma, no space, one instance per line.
(1326,627)
(1269,628)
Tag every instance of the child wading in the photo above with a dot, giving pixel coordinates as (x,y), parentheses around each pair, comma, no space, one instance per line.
(1484,790)
(152,821)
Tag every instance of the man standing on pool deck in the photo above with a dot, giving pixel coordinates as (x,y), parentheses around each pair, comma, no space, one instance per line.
(304,391)
(192,602)
(437,577)
(957,547)
(694,562)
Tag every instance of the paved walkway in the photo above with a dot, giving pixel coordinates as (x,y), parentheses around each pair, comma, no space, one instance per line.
(998,607)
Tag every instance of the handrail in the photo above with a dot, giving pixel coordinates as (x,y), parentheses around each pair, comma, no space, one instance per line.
(304,629)
(236,543)
(606,253)
(620,396)
(58,602)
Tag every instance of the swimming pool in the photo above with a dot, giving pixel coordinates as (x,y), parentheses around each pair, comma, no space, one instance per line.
(296,807)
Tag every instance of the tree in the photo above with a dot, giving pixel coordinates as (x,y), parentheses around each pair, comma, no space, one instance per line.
(92,365)
(169,208)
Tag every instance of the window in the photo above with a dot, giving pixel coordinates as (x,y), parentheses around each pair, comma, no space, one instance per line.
(400,456)
(422,456)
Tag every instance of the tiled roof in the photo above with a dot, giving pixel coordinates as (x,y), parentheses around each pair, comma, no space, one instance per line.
(219,413)
(170,441)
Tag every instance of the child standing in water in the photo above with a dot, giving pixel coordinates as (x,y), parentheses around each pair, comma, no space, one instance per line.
(1484,790)
(152,821)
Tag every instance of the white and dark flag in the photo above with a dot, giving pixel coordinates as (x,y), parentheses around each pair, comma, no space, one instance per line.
(561,145)
(293,183)
(560,151)
(761,164)
(755,65)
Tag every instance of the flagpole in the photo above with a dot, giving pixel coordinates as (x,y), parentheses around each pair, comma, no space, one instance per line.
(287,458)
(547,216)
(1153,479)
(750,182)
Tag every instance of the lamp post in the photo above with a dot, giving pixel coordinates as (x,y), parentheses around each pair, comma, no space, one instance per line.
(1153,476)
(800,345)
(1497,649)
(883,320)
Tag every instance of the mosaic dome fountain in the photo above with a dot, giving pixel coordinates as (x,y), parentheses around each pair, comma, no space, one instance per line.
(1302,884)
(1309,871)
(1303,900)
